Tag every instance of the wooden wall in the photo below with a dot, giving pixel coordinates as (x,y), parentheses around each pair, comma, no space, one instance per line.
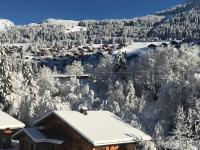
(27,144)
(56,128)
(117,147)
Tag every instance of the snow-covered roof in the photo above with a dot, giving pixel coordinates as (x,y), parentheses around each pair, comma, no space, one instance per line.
(37,136)
(7,121)
(100,127)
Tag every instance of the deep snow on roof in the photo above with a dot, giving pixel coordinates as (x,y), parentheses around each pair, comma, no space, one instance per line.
(101,127)
(7,121)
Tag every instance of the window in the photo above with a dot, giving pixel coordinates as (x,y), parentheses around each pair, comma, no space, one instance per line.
(100,148)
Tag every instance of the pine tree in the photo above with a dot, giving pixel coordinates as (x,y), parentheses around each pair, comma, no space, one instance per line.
(180,123)
(6,86)
(120,61)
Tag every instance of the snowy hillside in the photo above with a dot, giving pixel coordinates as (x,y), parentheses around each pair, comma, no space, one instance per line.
(65,64)
(136,47)
(4,23)
(181,22)
(70,25)
(181,8)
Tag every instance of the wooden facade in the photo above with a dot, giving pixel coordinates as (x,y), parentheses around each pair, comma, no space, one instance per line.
(26,143)
(54,128)
(117,147)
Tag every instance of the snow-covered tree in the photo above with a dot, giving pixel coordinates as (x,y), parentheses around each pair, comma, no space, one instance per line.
(6,87)
(75,68)
(180,123)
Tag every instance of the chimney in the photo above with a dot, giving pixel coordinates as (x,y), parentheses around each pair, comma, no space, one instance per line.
(83,110)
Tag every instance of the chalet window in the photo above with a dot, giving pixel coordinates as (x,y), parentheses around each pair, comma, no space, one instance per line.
(131,147)
(101,148)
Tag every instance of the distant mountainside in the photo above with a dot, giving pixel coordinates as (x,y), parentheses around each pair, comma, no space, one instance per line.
(181,22)
(4,23)
(185,7)
(177,23)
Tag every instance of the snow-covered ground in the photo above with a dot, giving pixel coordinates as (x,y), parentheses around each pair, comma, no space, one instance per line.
(5,23)
(17,44)
(70,25)
(179,144)
(135,47)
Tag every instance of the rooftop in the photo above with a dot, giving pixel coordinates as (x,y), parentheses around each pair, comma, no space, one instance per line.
(8,121)
(100,127)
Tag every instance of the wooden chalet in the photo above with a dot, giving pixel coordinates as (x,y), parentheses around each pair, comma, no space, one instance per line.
(152,46)
(84,130)
(8,126)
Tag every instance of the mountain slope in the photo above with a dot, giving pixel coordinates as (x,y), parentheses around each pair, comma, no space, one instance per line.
(4,23)
(177,23)
(181,22)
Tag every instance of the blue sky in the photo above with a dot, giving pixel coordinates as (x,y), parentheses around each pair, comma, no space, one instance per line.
(27,11)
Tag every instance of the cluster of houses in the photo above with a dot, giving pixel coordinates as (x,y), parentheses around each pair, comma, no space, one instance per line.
(79,51)
(75,52)
(10,49)
(71,130)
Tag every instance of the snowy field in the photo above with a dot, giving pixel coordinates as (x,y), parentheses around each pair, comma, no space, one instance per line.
(135,47)
(70,25)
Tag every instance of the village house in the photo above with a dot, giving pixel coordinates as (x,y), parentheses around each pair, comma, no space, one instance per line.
(8,126)
(84,130)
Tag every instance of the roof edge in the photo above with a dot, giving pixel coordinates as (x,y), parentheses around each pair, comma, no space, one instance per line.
(54,141)
(42,118)
(13,127)
(119,142)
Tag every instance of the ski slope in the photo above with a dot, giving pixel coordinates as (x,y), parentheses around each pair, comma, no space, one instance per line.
(136,47)
(70,25)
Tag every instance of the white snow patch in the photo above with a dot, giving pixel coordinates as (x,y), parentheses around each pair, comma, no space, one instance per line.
(33,24)
(197,76)
(18,44)
(136,47)
(70,25)
(4,23)
(60,21)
